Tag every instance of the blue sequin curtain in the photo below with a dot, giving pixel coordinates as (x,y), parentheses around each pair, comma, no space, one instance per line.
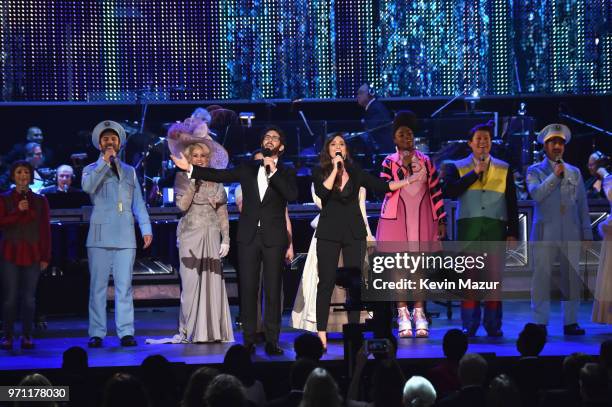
(287,49)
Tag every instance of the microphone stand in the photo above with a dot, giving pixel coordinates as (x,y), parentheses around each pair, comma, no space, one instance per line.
(457,96)
(143,100)
(586,124)
(299,148)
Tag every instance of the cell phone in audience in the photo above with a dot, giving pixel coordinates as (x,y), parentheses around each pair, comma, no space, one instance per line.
(380,345)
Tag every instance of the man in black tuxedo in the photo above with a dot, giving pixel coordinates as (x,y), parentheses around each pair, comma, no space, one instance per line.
(266,185)
(375,118)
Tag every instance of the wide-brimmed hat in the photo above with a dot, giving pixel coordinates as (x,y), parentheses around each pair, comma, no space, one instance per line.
(194,131)
(107,125)
(555,130)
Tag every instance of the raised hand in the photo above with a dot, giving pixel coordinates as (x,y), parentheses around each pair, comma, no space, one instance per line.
(180,161)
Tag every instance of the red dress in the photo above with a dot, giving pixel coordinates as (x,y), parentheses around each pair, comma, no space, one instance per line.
(26,235)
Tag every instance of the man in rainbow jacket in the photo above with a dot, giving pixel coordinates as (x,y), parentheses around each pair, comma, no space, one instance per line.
(487,211)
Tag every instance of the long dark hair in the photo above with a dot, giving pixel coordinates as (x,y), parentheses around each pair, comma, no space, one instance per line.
(326,160)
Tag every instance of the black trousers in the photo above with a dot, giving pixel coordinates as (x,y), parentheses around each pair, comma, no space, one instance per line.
(328,253)
(250,257)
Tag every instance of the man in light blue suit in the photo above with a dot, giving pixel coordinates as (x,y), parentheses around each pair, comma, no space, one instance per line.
(560,223)
(111,242)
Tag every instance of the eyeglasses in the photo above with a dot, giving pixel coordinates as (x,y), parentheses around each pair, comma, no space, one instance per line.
(271,137)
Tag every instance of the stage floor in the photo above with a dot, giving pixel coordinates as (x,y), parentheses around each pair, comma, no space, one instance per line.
(156,323)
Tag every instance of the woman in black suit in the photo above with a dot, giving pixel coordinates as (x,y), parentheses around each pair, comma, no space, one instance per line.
(341,226)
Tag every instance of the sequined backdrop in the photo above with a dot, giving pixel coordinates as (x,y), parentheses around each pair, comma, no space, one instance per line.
(115,50)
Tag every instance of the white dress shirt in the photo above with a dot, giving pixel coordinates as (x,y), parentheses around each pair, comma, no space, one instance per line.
(262,180)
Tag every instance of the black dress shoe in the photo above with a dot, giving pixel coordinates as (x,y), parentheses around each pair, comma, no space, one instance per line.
(128,340)
(94,342)
(273,349)
(573,330)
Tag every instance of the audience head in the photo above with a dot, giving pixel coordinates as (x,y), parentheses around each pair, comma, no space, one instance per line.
(593,383)
(571,369)
(419,392)
(75,359)
(34,155)
(123,389)
(308,346)
(503,392)
(472,370)
(225,391)
(454,344)
(605,354)
(531,340)
(197,385)
(64,177)
(156,368)
(36,380)
(159,380)
(387,384)
(237,362)
(34,134)
(300,370)
(321,390)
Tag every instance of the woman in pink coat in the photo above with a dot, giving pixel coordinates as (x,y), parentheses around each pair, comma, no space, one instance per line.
(413,214)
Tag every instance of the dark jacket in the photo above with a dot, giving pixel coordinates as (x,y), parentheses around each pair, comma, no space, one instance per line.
(269,212)
(341,208)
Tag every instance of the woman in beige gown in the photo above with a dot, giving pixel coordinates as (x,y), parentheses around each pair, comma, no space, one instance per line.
(203,239)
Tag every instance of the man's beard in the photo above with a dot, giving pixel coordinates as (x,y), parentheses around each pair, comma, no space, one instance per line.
(273,151)
(115,149)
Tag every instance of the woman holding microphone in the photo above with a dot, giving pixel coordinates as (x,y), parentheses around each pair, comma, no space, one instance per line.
(341,225)
(26,250)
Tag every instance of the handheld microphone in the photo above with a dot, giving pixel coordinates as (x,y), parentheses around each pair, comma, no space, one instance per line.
(559,160)
(406,153)
(338,165)
(266,152)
